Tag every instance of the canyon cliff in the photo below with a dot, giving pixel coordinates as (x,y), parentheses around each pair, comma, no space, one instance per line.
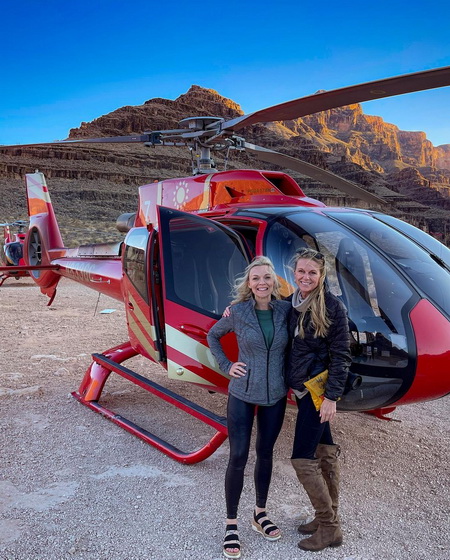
(92,184)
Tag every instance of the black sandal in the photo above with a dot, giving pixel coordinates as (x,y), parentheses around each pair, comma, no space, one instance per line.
(231,540)
(266,527)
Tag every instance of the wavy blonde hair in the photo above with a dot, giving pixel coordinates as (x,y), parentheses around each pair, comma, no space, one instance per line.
(316,300)
(241,289)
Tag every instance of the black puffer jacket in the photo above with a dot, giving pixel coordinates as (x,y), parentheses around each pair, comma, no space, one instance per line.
(309,355)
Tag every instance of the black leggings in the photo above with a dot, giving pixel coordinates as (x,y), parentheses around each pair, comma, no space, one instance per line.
(309,431)
(269,420)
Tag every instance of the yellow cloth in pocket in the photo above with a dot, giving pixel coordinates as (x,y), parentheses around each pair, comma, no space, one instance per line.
(316,386)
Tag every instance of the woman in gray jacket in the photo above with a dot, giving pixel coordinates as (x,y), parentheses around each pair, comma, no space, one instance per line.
(259,320)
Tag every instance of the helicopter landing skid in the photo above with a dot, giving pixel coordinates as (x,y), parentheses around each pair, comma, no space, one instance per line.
(381,413)
(92,386)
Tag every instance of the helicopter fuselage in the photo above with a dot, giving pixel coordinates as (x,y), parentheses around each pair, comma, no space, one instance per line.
(174,271)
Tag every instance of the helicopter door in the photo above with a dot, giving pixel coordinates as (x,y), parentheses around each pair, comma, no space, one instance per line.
(142,294)
(200,259)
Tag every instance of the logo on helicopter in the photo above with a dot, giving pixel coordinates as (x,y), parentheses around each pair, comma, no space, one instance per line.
(181,194)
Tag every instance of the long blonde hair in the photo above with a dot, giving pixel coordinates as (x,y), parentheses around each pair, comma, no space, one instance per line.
(316,299)
(241,289)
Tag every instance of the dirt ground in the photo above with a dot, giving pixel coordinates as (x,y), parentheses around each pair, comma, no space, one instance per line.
(75,486)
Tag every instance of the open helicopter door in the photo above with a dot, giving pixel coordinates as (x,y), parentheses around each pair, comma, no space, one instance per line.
(177,282)
(200,260)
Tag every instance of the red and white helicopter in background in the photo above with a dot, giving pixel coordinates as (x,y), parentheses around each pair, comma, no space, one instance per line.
(191,236)
(11,250)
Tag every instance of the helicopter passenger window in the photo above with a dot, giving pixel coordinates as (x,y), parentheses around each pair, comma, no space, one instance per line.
(203,262)
(134,260)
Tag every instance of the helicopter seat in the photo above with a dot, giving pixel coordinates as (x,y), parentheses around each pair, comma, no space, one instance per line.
(352,279)
(282,245)
(186,277)
(220,271)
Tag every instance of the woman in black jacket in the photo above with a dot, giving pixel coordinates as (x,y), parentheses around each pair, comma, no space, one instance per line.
(319,327)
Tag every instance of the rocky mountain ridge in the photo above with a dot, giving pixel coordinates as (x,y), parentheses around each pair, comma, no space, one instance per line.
(402,167)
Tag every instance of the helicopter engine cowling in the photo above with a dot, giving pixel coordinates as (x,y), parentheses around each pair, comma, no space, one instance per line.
(125,222)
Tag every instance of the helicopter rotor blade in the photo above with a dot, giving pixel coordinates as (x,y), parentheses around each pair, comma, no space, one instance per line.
(310,170)
(17,223)
(407,83)
(104,140)
(321,101)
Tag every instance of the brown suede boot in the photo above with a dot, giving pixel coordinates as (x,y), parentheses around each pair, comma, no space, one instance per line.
(329,465)
(329,531)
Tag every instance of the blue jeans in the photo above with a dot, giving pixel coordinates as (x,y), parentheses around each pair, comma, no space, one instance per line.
(309,432)
(269,420)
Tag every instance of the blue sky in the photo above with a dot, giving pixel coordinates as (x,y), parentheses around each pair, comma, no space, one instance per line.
(67,62)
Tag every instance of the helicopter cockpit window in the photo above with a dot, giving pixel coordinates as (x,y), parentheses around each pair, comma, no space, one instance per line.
(373,292)
(204,261)
(134,260)
(14,252)
(412,259)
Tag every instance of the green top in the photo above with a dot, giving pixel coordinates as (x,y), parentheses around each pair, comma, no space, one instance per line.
(265,319)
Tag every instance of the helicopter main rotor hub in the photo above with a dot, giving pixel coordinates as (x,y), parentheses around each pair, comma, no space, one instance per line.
(201,123)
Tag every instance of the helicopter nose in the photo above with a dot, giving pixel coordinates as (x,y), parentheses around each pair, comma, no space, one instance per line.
(431,380)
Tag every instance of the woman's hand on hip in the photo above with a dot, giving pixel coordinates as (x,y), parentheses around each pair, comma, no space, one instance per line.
(238,369)
(327,411)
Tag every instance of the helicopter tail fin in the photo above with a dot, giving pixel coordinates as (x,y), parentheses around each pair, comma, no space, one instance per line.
(40,208)
(44,242)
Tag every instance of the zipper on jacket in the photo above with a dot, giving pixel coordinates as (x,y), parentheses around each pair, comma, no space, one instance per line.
(268,356)
(267,352)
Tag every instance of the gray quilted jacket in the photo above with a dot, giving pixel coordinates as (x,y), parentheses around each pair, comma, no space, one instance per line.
(264,382)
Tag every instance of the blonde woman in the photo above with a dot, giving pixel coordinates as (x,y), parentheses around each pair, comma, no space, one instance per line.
(259,320)
(319,327)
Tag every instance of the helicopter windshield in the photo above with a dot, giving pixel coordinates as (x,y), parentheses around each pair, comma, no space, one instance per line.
(371,290)
(434,246)
(375,294)
(413,260)
(380,274)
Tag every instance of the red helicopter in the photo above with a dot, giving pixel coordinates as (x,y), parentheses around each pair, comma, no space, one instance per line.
(191,236)
(11,251)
